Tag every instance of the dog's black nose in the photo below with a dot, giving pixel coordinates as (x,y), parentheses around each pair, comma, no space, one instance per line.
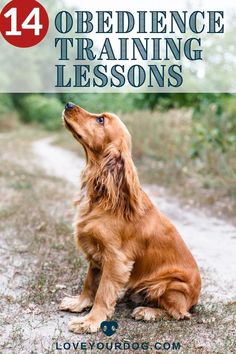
(69,105)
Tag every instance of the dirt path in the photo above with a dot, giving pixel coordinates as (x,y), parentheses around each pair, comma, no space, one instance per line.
(212,241)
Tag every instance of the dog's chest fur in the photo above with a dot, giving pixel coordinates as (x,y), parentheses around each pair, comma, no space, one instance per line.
(85,230)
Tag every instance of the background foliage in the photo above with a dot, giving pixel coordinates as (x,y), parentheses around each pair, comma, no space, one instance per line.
(213,116)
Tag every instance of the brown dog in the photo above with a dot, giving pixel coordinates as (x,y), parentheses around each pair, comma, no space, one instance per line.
(131,246)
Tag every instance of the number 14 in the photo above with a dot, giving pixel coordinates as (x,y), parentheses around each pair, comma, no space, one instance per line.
(36,26)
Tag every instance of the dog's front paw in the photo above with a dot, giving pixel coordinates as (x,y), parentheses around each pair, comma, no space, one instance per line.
(74,304)
(84,324)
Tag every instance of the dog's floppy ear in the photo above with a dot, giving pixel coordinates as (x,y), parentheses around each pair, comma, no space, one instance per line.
(118,180)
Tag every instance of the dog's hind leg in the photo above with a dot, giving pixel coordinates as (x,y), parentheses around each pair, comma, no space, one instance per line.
(176,304)
(86,298)
(172,303)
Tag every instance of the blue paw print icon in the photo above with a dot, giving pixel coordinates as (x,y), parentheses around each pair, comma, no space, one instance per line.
(109,327)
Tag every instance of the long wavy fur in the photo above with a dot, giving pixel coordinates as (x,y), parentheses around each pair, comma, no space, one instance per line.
(112,183)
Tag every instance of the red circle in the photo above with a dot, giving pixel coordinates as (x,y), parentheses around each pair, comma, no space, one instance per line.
(21,9)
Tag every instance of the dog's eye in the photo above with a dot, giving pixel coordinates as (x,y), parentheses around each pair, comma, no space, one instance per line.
(100,120)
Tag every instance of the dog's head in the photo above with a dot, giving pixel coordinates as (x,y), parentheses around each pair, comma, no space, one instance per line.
(96,132)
